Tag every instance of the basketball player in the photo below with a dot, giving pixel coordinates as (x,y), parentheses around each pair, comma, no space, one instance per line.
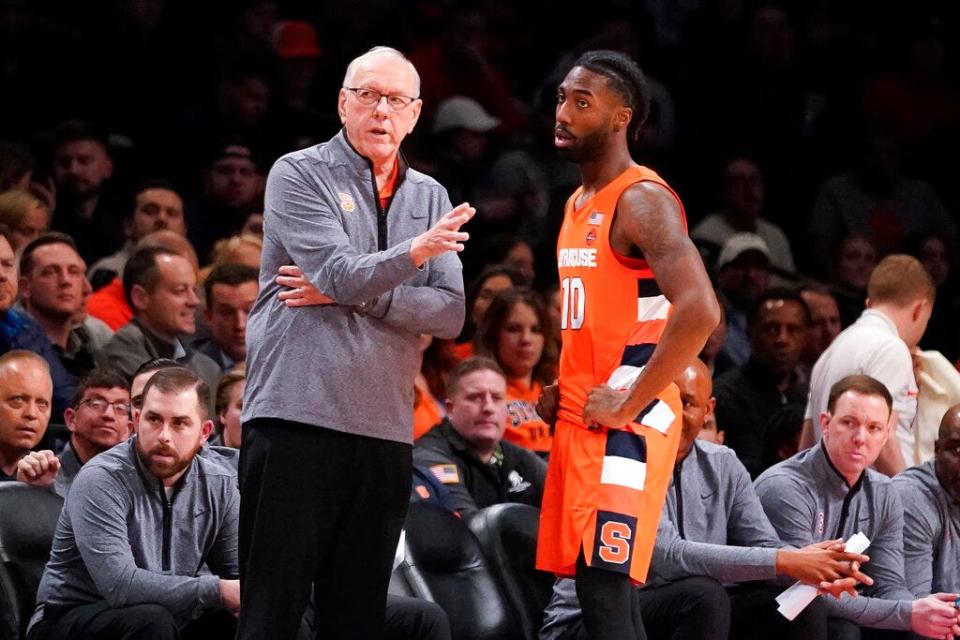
(637,308)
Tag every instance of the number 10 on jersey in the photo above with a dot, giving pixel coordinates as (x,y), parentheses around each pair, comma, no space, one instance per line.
(573,303)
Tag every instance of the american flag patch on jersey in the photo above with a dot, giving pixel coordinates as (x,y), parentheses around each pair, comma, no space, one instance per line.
(595,218)
(446,473)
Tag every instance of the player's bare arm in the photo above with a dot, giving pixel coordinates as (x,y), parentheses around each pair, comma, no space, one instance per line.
(649,223)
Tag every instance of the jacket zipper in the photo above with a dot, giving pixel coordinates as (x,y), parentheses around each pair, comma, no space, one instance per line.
(846,507)
(381,213)
(679,490)
(167,529)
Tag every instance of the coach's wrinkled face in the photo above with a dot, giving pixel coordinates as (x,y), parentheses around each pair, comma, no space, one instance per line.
(376,128)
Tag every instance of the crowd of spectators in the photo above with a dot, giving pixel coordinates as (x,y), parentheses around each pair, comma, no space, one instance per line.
(804,139)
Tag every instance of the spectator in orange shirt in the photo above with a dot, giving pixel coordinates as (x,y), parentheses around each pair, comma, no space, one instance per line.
(516,333)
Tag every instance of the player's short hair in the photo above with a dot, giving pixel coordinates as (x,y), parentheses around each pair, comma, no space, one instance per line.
(625,78)
(468,366)
(859,383)
(900,280)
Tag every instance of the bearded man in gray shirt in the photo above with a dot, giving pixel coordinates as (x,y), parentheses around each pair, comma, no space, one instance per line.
(931,524)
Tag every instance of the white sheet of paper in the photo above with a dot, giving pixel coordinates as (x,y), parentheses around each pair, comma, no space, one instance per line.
(795,599)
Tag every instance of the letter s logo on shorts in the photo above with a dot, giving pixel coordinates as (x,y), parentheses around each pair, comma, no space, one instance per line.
(613,546)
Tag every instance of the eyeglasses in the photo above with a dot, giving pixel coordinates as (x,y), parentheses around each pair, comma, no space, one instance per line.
(371,98)
(100,406)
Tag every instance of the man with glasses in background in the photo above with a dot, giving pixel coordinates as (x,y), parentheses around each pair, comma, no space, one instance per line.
(367,250)
(98,419)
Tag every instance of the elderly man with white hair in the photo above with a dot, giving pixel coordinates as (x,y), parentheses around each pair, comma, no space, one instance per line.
(368,251)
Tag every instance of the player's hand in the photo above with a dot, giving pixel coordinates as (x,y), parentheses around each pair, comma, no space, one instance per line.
(38,468)
(230,595)
(935,616)
(826,565)
(444,236)
(300,292)
(549,403)
(605,407)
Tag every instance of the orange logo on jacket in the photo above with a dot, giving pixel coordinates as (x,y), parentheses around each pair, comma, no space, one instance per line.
(346,202)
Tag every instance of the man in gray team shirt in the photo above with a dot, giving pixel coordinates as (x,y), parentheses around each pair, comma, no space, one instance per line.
(829,491)
(931,524)
(139,522)
(328,403)
(713,530)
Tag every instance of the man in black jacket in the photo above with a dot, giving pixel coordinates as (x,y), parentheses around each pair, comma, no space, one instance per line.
(466,451)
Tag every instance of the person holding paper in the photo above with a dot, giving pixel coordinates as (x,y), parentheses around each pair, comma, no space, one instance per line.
(829,491)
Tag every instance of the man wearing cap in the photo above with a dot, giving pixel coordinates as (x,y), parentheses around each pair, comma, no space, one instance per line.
(743,273)
(374,246)
(900,296)
(232,185)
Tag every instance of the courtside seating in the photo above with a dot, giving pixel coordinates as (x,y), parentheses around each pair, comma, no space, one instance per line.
(508,537)
(28,519)
(446,565)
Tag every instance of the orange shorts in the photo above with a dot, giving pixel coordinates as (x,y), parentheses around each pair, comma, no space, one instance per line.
(605,492)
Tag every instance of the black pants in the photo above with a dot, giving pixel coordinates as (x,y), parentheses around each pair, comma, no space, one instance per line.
(98,621)
(323,507)
(755,615)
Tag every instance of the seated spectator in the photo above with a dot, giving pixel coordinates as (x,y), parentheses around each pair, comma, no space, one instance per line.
(230,291)
(511,250)
(156,205)
(712,353)
(937,258)
(25,391)
(743,200)
(110,304)
(878,344)
(240,249)
(702,545)
(711,431)
(748,395)
(824,321)
(16,167)
(87,208)
(52,284)
(19,330)
(480,293)
(515,332)
(232,188)
(429,390)
(228,404)
(855,260)
(781,437)
(25,215)
(159,285)
(829,491)
(107,578)
(930,493)
(466,452)
(98,420)
(743,273)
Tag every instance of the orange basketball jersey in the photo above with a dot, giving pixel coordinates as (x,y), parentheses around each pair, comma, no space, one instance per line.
(605,488)
(524,427)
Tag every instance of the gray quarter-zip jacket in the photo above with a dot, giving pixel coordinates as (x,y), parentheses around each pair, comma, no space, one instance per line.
(339,366)
(120,539)
(931,532)
(807,500)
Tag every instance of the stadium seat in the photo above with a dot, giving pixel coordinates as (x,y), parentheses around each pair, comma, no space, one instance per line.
(446,565)
(28,519)
(508,537)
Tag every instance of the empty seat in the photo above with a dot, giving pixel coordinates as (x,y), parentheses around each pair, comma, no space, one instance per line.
(508,536)
(446,565)
(28,519)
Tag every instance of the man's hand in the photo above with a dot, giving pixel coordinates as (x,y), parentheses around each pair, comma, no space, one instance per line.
(230,596)
(38,468)
(549,403)
(825,565)
(935,616)
(301,292)
(605,407)
(442,237)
